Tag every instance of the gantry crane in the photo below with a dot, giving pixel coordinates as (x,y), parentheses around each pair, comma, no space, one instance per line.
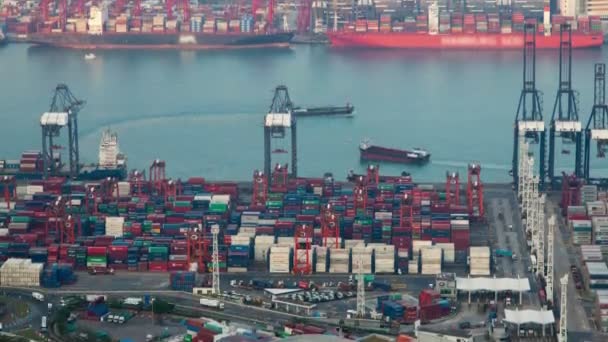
(137,180)
(360,287)
(9,189)
(563,318)
(280,178)
(597,126)
(373,174)
(529,121)
(277,123)
(330,227)
(260,189)
(215,260)
(302,257)
(565,121)
(452,188)
(550,259)
(157,176)
(63,112)
(197,247)
(475,192)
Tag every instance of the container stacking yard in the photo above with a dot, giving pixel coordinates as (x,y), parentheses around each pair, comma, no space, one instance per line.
(160,225)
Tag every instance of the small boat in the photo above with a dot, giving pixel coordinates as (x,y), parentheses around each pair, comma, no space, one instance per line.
(89,56)
(322,111)
(377,153)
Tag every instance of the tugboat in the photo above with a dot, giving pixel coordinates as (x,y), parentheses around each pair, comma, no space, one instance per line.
(378,153)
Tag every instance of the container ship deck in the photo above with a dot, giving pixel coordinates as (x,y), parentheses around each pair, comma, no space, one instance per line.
(182,41)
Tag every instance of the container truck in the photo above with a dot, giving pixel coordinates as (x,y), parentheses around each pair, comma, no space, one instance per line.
(212,303)
(43,324)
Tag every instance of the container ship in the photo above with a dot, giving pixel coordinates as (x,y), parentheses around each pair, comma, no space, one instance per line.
(489,31)
(377,153)
(157,28)
(112,163)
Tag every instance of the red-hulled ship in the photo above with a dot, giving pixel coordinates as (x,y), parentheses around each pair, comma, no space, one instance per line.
(466,31)
(482,41)
(377,153)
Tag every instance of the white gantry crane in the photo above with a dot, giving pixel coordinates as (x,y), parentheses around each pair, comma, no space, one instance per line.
(563,317)
(539,234)
(522,167)
(360,288)
(550,248)
(215,280)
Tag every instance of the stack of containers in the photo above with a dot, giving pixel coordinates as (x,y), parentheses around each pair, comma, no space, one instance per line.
(506,23)
(178,258)
(469,23)
(457,19)
(262,246)
(440,224)
(460,234)
(365,253)
(384,259)
(479,263)
(518,22)
(596,208)
(385,23)
(596,23)
(444,22)
(133,258)
(591,253)
(600,230)
(601,303)
(425,220)
(239,253)
(339,260)
(114,226)
(20,272)
(247,23)
(576,213)
(372,25)
(280,259)
(588,193)
(481,21)
(157,258)
(321,259)
(422,23)
(117,255)
(209,25)
(195,24)
(362,230)
(182,281)
(581,232)
(96,257)
(30,161)
(39,254)
(598,275)
(431,260)
(361,25)
(449,254)
(493,23)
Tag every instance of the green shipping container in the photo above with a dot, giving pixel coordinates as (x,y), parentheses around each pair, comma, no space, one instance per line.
(218,207)
(213,327)
(97,259)
(221,264)
(187,338)
(368,277)
(20,219)
(182,204)
(158,250)
(97,264)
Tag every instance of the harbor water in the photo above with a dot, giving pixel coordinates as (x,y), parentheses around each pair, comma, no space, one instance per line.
(202,111)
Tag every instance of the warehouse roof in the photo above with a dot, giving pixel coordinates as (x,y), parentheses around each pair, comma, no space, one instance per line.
(493,284)
(279,292)
(529,316)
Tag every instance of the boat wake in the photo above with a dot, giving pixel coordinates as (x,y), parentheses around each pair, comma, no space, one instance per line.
(199,116)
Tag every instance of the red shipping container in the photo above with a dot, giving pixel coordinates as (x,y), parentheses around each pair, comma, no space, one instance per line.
(177,266)
(157,266)
(94,251)
(427,297)
(430,312)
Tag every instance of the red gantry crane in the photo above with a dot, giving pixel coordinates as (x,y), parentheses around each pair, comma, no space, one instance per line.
(260,189)
(452,188)
(302,246)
